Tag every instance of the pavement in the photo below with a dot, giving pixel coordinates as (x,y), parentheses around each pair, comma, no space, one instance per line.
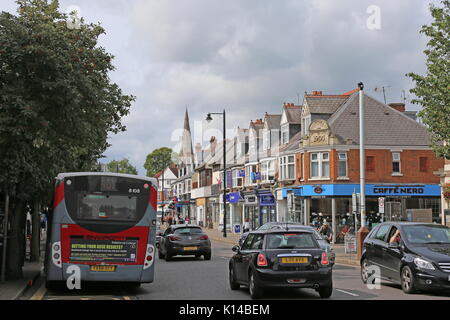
(31,271)
(343,258)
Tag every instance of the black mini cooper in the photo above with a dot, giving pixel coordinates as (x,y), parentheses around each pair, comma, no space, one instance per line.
(280,259)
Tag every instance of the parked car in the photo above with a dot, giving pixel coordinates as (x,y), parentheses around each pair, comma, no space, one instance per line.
(159,234)
(419,259)
(184,240)
(324,244)
(280,259)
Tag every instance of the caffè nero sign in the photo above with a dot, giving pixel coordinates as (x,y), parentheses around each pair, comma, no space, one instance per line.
(399,190)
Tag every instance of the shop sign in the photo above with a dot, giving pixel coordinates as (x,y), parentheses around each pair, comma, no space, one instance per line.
(241,173)
(251,200)
(267,200)
(233,197)
(399,190)
(318,189)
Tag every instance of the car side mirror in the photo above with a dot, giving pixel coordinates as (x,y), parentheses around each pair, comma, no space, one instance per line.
(393,245)
(236,249)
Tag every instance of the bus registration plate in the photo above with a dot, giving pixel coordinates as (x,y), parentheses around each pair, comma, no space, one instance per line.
(102,268)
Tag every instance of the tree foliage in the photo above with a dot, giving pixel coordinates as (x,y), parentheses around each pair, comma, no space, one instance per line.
(433,89)
(158,160)
(57,103)
(122,166)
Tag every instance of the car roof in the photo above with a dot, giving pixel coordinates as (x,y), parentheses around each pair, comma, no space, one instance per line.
(269,231)
(406,223)
(177,226)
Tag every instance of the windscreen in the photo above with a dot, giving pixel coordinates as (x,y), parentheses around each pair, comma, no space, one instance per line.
(106,204)
(291,241)
(421,234)
(188,230)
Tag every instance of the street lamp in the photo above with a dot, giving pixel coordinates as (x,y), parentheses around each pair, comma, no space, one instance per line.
(209,119)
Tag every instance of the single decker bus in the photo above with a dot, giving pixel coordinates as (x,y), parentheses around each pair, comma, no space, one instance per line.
(105,224)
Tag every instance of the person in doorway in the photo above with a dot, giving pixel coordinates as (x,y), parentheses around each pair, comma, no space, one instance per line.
(246,226)
(325,230)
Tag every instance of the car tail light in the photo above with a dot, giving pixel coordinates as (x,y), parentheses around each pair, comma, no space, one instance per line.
(262,261)
(173,238)
(204,237)
(324,260)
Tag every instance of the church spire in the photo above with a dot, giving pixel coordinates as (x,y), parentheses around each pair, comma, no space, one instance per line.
(186,152)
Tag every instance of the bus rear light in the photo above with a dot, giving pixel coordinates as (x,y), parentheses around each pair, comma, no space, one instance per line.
(56,254)
(148,261)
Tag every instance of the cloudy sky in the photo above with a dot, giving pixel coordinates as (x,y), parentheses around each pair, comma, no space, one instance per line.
(248,57)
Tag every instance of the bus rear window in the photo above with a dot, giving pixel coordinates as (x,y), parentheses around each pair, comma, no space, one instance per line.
(109,207)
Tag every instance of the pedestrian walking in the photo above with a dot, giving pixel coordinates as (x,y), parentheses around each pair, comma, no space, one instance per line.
(325,230)
(246,226)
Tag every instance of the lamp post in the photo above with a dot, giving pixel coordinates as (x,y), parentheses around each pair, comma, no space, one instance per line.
(209,119)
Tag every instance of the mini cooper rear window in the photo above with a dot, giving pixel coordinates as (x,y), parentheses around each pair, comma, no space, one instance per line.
(291,241)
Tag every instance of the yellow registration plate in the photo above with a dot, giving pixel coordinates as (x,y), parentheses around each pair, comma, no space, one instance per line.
(103,268)
(189,248)
(294,260)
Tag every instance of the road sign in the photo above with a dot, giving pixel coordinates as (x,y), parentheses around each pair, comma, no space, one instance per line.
(381,204)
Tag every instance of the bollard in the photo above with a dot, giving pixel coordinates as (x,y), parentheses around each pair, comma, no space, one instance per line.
(360,236)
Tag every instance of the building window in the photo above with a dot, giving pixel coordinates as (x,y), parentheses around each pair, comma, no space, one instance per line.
(370,163)
(285,133)
(396,168)
(423,164)
(267,170)
(250,171)
(342,164)
(287,168)
(303,166)
(320,165)
(237,180)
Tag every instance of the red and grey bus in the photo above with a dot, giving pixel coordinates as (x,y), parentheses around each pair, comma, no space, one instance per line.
(104,223)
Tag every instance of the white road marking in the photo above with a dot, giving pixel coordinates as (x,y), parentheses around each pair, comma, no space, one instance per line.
(350,293)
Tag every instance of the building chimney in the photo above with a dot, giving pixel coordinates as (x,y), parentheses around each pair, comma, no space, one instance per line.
(398,106)
(316,93)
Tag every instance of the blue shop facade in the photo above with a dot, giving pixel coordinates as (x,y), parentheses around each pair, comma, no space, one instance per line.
(318,202)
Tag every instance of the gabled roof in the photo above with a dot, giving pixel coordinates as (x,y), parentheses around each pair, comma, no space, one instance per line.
(172,167)
(325,104)
(272,121)
(293,113)
(383,124)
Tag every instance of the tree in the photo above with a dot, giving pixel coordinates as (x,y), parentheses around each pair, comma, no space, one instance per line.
(122,166)
(158,160)
(57,106)
(432,89)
